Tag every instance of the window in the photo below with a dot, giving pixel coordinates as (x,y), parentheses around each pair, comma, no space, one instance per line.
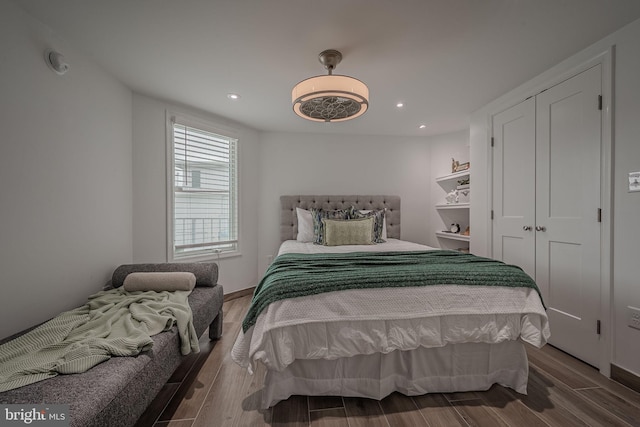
(204,199)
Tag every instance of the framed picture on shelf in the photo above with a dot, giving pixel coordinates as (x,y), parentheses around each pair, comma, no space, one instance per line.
(462,167)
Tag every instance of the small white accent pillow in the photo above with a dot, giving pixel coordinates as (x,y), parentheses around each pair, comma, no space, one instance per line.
(159,281)
(305,225)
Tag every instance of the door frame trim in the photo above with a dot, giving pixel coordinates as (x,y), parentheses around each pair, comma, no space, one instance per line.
(565,71)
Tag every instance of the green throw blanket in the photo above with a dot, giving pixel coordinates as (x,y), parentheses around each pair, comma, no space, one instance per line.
(295,275)
(113,322)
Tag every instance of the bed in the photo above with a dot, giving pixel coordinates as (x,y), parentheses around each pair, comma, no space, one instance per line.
(372,341)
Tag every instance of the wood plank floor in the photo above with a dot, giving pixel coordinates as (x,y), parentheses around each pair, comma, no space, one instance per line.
(209,389)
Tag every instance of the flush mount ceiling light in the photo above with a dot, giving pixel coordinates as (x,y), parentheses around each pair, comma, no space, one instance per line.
(330,98)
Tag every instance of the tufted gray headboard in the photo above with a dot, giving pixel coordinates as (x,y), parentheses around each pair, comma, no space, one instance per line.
(289,220)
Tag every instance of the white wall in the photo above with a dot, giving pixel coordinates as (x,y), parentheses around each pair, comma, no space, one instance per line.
(442,149)
(150,194)
(65,169)
(626,215)
(292,163)
(626,158)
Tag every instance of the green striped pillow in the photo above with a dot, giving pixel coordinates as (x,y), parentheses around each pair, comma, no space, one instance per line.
(319,214)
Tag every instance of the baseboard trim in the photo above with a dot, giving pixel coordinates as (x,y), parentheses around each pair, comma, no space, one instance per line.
(239,294)
(625,377)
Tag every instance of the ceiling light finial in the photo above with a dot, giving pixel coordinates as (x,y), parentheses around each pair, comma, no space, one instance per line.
(330,98)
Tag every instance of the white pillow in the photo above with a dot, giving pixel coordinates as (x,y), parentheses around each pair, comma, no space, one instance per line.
(384,222)
(305,225)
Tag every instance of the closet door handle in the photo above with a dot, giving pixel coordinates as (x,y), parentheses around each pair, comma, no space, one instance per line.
(541,228)
(527,228)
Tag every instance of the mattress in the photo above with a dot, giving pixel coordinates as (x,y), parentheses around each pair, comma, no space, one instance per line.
(391,245)
(355,322)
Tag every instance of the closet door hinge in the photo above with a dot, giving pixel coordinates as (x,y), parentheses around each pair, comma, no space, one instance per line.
(599,102)
(598,327)
(491,213)
(599,215)
(492,141)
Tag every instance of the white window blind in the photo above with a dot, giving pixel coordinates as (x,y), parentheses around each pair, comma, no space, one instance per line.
(205,192)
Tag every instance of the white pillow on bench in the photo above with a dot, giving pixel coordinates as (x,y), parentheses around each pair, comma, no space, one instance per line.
(159,281)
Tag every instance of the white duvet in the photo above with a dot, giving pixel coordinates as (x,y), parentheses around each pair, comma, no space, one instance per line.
(366,321)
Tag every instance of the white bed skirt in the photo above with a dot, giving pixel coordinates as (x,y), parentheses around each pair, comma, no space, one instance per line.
(452,368)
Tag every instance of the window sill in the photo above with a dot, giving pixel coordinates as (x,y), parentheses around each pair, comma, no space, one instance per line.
(208,257)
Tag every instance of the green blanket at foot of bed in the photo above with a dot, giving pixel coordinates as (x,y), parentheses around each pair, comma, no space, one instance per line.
(296,275)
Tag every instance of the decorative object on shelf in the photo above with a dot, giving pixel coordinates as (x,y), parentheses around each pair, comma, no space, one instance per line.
(330,98)
(464,189)
(465,232)
(463,195)
(454,165)
(452,197)
(455,228)
(462,167)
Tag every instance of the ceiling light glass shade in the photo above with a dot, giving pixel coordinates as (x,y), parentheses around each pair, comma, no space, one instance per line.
(330,98)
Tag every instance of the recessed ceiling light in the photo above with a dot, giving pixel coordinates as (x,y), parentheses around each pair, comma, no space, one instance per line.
(399,105)
(422,126)
(233,96)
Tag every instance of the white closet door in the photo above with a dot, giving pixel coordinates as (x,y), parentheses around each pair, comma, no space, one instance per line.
(514,186)
(568,144)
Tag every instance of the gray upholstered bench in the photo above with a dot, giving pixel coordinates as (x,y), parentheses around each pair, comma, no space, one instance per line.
(117,392)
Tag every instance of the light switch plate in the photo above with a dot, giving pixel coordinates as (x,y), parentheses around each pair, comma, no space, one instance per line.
(633,317)
(634,181)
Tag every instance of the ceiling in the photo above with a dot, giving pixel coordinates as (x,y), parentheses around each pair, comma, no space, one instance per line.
(442,58)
